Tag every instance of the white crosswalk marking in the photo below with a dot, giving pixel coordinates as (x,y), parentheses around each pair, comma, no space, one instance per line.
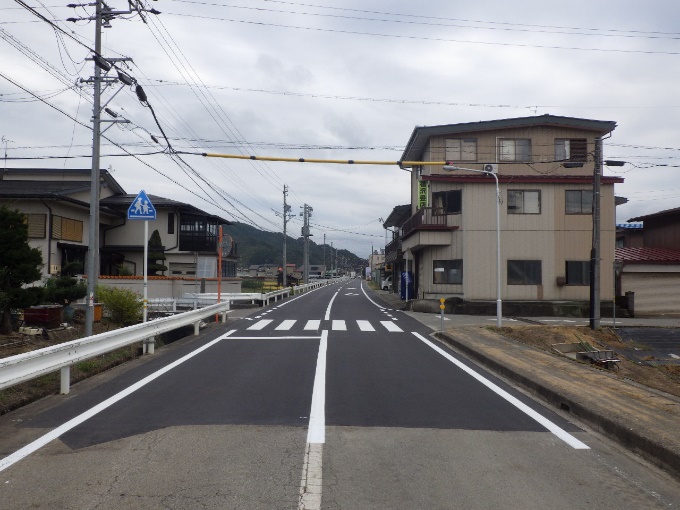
(261,324)
(285,325)
(339,326)
(312,325)
(391,327)
(365,326)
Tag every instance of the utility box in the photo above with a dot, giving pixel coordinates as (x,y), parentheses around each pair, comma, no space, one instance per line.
(47,316)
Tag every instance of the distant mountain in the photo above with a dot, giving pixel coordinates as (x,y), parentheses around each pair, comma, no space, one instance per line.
(260,247)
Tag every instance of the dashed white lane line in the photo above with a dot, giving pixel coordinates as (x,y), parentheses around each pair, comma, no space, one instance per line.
(365,326)
(260,324)
(312,325)
(338,325)
(285,325)
(558,431)
(391,327)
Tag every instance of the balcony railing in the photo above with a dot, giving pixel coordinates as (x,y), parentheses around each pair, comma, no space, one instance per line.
(425,219)
(393,250)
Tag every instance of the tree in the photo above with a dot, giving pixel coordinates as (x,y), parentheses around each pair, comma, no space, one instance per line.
(19,264)
(64,290)
(156,253)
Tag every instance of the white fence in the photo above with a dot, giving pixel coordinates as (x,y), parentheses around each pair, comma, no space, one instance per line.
(29,365)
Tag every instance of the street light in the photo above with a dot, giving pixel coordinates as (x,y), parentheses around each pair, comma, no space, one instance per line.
(499,305)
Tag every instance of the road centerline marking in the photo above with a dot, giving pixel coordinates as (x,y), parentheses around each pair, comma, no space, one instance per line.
(552,427)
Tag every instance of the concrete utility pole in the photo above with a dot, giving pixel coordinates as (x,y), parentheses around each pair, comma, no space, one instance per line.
(324,253)
(306,235)
(595,250)
(103,16)
(286,217)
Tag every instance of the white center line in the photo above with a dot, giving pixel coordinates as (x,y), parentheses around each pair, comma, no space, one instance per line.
(312,469)
(558,431)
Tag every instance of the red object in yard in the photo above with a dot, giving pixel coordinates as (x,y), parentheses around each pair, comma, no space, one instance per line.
(47,316)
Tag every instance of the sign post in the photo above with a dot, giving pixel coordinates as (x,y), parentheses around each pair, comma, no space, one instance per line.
(142,209)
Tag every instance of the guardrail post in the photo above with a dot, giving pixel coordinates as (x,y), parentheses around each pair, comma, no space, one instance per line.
(197,327)
(151,344)
(224,317)
(174,305)
(65,380)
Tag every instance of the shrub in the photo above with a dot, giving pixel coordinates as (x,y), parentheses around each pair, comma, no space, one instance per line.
(252,284)
(122,306)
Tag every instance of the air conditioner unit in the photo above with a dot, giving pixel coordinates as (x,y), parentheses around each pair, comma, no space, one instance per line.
(54,268)
(491,167)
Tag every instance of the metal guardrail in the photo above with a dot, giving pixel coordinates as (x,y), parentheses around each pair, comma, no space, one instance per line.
(29,365)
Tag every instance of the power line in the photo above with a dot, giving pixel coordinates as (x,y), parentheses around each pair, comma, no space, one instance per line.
(424,38)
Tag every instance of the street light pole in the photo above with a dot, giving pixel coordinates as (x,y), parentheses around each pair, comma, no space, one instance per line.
(499,304)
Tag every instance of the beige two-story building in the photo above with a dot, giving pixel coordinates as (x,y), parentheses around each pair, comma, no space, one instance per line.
(545,168)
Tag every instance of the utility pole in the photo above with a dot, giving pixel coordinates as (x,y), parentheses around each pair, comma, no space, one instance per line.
(102,18)
(286,217)
(306,235)
(324,254)
(595,250)
(93,237)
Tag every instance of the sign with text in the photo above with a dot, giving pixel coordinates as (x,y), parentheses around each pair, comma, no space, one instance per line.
(422,194)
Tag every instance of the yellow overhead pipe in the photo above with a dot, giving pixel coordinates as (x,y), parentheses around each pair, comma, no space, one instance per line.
(335,161)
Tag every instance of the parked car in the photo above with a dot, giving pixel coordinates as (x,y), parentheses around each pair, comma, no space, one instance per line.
(386,284)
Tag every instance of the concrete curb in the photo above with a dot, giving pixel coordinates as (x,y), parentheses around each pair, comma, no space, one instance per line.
(636,441)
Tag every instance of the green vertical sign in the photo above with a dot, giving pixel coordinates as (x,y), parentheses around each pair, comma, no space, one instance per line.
(422,194)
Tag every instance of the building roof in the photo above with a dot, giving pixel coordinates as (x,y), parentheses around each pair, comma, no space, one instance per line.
(124,201)
(398,216)
(647,256)
(667,212)
(67,176)
(421,134)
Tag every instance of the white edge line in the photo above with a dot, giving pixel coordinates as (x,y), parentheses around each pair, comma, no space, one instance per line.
(62,429)
(312,337)
(558,431)
(364,291)
(317,415)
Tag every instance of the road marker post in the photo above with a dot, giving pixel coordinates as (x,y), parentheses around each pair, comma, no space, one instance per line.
(441,314)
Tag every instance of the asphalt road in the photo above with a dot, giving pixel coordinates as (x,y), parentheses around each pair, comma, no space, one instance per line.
(328,400)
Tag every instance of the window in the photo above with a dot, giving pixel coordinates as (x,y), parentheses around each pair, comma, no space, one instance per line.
(514,149)
(36,225)
(197,233)
(524,272)
(524,202)
(67,229)
(578,272)
(461,149)
(578,201)
(171,223)
(571,149)
(448,202)
(448,271)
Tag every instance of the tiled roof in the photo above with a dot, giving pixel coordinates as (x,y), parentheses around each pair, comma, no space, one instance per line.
(41,188)
(647,256)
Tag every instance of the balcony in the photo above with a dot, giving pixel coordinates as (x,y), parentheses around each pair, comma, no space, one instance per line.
(393,251)
(425,228)
(426,219)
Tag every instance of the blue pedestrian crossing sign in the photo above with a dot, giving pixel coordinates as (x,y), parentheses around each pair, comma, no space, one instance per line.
(141,208)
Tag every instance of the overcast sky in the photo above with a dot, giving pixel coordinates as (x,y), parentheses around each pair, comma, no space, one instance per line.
(342,80)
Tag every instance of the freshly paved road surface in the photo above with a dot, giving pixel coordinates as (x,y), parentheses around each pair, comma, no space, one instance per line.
(329,400)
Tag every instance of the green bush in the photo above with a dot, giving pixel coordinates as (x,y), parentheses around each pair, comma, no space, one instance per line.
(121,306)
(64,290)
(252,284)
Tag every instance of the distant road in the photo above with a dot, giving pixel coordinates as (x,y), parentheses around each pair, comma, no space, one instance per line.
(327,400)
